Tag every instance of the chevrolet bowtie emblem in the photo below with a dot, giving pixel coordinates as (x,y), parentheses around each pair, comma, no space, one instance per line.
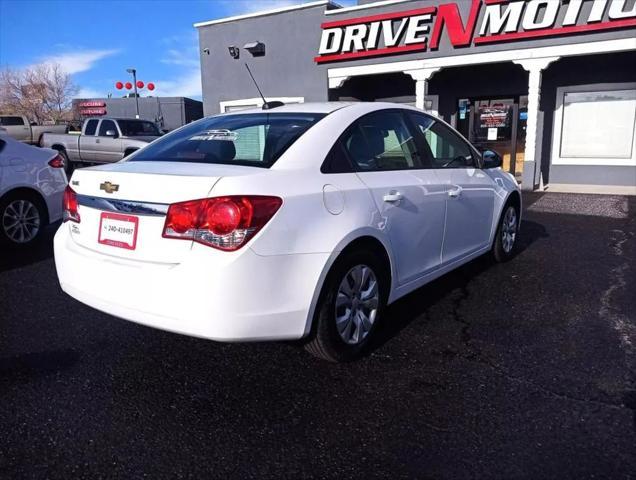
(109,187)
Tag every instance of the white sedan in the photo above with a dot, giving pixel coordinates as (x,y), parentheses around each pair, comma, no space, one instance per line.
(32,183)
(300,221)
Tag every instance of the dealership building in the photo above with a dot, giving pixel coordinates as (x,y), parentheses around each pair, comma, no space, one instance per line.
(549,84)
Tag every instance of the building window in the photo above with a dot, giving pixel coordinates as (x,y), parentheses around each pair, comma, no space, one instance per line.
(245,103)
(595,125)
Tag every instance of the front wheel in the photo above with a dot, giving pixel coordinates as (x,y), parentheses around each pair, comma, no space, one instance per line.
(506,236)
(349,308)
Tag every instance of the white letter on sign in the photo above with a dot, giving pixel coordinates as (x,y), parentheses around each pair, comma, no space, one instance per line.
(617,10)
(494,19)
(414,29)
(392,38)
(331,41)
(354,38)
(531,17)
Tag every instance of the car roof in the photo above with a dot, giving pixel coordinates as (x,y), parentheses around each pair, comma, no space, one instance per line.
(310,107)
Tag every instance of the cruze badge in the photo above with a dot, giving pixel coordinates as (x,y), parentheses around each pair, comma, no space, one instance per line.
(109,187)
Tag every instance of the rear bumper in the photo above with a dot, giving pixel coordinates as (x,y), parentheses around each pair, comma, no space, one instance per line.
(238,296)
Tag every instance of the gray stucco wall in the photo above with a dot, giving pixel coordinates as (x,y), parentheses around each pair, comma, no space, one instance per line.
(287,69)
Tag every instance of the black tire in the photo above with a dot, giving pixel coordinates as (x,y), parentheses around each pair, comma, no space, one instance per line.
(7,210)
(325,341)
(502,251)
(68,166)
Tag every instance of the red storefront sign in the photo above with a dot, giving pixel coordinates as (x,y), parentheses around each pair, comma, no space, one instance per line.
(500,21)
(93,111)
(91,104)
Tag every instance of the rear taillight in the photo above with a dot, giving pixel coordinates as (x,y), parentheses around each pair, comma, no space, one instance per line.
(70,205)
(226,223)
(57,161)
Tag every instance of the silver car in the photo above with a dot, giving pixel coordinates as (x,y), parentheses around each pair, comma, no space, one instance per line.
(32,183)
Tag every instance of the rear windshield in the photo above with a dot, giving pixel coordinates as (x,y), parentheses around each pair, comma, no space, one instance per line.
(137,128)
(257,139)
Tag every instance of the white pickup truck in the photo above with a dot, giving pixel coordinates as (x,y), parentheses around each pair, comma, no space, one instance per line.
(19,128)
(103,140)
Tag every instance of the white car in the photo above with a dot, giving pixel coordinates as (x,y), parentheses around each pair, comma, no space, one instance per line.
(301,221)
(32,183)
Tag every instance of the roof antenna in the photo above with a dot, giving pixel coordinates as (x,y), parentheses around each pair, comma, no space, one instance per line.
(266,105)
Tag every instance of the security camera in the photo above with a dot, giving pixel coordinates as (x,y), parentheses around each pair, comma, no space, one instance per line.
(234,51)
(206,51)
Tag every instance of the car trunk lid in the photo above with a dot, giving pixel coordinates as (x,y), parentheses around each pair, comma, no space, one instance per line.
(122,206)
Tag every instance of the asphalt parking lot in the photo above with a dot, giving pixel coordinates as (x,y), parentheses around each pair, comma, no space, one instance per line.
(521,370)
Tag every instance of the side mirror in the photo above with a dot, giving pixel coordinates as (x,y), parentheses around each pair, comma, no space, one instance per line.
(491,159)
(111,133)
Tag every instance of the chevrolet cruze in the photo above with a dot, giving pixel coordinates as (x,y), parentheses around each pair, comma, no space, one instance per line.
(295,222)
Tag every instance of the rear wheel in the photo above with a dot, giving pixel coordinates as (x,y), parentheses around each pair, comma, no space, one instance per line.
(506,236)
(349,308)
(22,217)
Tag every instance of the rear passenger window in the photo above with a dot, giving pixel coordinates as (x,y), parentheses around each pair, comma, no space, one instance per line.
(336,161)
(11,121)
(381,141)
(91,126)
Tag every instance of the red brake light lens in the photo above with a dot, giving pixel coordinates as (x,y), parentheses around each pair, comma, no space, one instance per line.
(226,223)
(70,205)
(57,161)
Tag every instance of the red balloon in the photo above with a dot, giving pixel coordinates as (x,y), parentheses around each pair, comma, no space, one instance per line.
(119,85)
(151,86)
(140,84)
(128,85)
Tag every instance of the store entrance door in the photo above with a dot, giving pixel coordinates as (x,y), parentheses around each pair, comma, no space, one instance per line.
(496,124)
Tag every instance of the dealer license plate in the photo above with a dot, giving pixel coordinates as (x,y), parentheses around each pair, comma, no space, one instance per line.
(118,230)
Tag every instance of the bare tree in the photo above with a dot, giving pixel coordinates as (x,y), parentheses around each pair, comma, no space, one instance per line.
(42,93)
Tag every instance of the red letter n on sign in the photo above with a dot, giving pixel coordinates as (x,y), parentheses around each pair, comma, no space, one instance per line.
(448,14)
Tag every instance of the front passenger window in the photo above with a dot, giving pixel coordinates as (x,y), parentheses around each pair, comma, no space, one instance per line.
(446,148)
(381,141)
(105,126)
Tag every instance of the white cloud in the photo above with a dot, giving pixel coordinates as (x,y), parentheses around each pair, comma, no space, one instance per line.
(87,92)
(78,61)
(188,57)
(186,85)
(183,52)
(242,7)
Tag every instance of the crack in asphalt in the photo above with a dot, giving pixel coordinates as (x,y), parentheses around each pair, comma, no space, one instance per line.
(476,354)
(608,311)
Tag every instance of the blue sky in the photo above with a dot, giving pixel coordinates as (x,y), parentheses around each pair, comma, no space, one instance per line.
(96,41)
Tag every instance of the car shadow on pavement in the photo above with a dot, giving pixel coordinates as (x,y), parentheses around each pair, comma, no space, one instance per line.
(12,257)
(416,304)
(29,365)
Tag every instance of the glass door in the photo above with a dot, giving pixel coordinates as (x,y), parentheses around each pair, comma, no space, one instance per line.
(496,124)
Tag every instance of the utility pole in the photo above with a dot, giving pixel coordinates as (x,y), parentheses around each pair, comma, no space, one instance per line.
(134,74)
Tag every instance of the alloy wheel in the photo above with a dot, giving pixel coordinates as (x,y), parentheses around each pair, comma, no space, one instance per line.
(21,221)
(509,229)
(357,303)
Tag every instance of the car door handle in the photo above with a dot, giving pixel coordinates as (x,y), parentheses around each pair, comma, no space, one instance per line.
(392,197)
(455,192)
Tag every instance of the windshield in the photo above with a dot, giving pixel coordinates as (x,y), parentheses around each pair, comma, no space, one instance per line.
(257,139)
(137,128)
